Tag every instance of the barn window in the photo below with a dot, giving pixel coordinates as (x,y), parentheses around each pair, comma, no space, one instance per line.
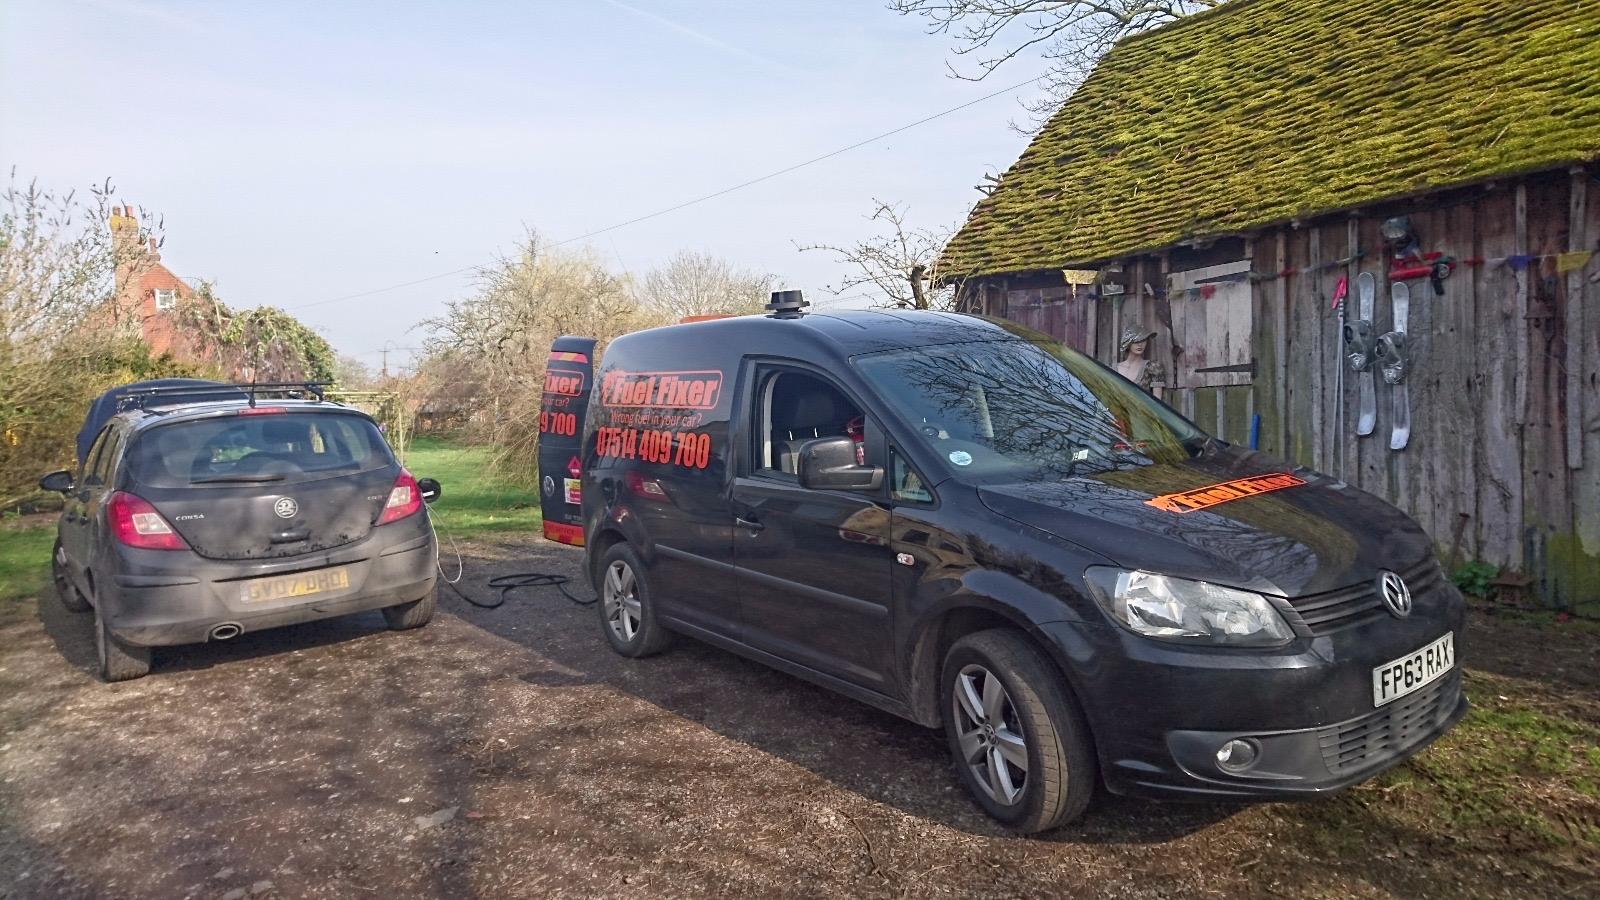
(1213,328)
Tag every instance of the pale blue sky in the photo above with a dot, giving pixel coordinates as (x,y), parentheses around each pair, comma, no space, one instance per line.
(302,151)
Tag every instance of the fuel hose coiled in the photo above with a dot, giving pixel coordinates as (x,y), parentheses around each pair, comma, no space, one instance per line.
(505,584)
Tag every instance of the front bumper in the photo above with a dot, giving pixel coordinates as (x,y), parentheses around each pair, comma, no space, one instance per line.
(162,598)
(1159,711)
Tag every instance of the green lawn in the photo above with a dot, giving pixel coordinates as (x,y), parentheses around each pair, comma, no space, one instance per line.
(25,560)
(472,501)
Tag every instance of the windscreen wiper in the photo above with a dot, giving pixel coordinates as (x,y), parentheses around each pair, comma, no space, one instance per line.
(238,479)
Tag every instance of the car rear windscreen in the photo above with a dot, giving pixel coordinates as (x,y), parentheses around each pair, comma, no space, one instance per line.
(269,448)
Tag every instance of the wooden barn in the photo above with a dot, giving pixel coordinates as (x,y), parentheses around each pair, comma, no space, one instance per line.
(1224,182)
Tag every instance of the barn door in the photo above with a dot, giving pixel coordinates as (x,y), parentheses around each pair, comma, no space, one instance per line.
(1213,322)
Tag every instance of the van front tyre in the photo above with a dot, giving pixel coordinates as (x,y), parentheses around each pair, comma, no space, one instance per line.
(118,661)
(406,616)
(627,605)
(1017,736)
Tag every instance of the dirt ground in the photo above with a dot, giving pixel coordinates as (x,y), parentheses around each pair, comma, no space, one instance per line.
(509,753)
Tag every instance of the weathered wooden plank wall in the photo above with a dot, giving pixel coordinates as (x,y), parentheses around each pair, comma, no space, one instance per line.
(1582,548)
(1505,377)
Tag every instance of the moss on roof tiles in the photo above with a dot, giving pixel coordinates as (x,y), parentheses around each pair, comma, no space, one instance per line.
(1263,111)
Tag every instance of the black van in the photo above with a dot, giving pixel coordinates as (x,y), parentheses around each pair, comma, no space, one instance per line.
(959,521)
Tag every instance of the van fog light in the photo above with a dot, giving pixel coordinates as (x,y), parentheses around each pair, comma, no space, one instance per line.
(1237,756)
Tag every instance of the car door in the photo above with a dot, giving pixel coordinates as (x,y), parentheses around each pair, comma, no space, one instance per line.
(813,566)
(96,491)
(74,529)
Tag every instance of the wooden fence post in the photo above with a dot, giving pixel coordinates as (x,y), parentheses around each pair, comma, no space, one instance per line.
(1577,239)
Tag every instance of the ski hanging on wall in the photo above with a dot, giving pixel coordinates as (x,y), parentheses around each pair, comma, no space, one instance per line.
(1359,347)
(1392,359)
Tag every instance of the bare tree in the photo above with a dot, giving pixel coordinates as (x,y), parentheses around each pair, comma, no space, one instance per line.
(900,262)
(697,284)
(62,337)
(487,358)
(1071,35)
(351,373)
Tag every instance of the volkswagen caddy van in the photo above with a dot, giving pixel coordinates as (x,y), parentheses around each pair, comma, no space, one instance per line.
(961,522)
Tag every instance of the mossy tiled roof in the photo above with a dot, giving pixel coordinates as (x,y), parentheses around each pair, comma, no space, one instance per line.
(1263,111)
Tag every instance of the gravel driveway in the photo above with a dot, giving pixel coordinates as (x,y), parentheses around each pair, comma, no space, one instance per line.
(509,753)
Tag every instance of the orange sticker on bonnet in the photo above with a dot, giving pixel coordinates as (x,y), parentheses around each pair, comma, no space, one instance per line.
(1211,495)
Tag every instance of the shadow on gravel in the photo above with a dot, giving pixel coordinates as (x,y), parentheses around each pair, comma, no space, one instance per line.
(206,764)
(73,635)
(869,752)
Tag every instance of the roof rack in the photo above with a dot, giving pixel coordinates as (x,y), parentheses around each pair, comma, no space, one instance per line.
(314,390)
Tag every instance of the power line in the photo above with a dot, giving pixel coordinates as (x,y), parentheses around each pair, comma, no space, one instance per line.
(697,200)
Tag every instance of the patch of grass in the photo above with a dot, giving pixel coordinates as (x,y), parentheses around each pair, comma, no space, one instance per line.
(1584,619)
(473,501)
(25,561)
(1511,775)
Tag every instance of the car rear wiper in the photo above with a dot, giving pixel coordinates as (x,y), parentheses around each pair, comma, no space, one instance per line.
(239,479)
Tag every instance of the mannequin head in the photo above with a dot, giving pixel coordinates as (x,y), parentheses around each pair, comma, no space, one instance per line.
(1135,343)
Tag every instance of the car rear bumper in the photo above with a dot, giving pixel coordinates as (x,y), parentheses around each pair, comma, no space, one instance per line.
(163,598)
(1160,713)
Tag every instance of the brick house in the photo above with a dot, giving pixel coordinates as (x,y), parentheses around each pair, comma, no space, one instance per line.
(146,292)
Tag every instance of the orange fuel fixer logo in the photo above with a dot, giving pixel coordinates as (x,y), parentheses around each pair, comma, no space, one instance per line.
(565,382)
(670,390)
(1212,495)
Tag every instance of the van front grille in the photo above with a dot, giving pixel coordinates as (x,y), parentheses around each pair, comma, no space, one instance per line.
(1359,604)
(1390,730)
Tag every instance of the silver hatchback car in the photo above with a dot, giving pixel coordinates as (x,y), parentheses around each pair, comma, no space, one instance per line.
(204,519)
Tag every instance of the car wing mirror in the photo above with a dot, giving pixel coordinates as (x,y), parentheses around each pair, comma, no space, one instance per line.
(58,482)
(829,464)
(429,489)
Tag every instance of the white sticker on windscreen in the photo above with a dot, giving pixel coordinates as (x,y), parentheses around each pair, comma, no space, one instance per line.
(961,457)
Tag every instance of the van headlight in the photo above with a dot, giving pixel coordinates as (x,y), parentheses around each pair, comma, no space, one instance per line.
(1176,609)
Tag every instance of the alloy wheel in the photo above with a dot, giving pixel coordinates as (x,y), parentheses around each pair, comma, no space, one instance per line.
(990,735)
(620,593)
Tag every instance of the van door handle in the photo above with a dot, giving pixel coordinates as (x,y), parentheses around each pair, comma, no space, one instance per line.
(751,524)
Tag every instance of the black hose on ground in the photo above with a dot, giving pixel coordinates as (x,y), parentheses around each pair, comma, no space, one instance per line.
(504,583)
(511,581)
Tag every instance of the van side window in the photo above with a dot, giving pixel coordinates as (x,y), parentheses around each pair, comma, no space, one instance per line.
(794,407)
(904,482)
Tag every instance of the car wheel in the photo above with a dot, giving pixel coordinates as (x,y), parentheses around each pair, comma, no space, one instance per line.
(118,661)
(627,606)
(417,613)
(65,591)
(1018,738)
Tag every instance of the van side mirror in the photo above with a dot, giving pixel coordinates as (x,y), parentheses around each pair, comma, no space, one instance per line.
(829,464)
(59,482)
(429,489)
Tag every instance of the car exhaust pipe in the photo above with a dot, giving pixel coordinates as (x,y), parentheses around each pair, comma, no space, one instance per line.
(225,631)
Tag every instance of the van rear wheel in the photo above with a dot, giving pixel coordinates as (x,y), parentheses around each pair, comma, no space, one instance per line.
(1019,741)
(627,605)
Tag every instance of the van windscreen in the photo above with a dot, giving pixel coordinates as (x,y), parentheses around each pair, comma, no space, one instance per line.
(276,448)
(1017,410)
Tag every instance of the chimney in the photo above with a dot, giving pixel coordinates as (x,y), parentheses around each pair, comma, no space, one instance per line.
(126,248)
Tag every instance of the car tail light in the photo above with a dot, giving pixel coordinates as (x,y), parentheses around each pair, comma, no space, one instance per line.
(136,523)
(405,498)
(261,411)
